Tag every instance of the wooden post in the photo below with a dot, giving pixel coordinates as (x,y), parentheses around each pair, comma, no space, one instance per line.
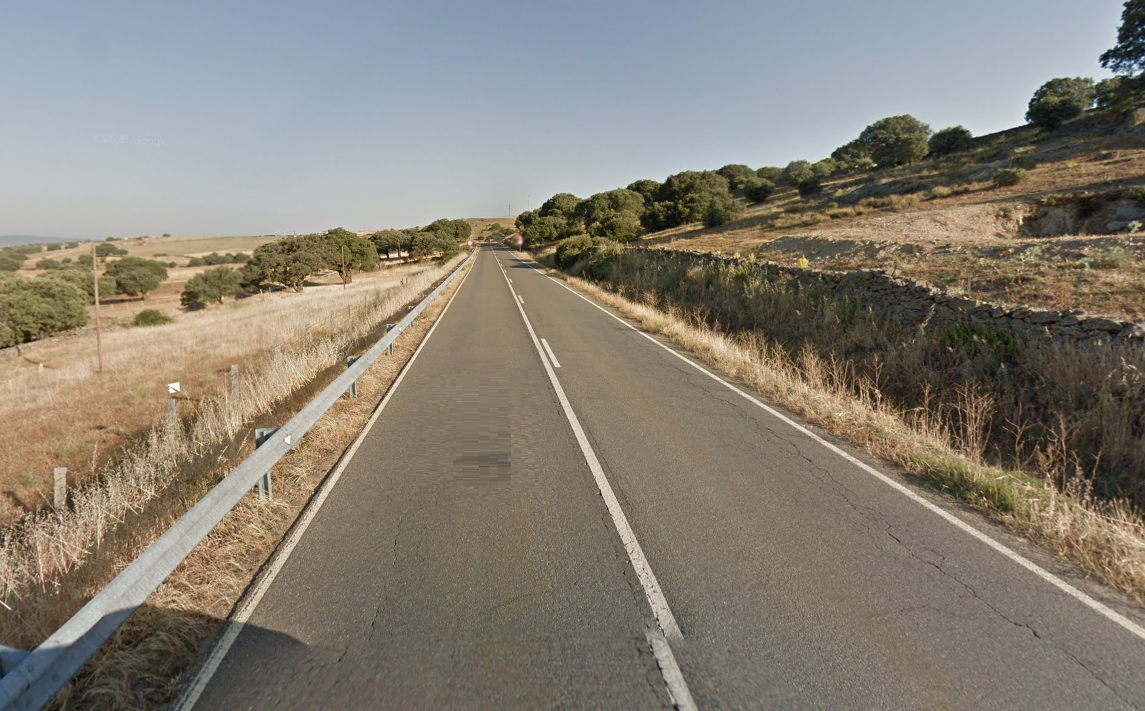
(98,335)
(234,377)
(343,266)
(172,411)
(61,492)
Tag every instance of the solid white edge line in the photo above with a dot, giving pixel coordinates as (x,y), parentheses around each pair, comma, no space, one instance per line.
(640,564)
(549,350)
(670,670)
(1082,597)
(248,604)
(519,296)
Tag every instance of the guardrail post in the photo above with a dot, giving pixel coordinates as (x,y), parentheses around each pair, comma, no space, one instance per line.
(390,327)
(61,489)
(234,377)
(10,658)
(261,435)
(353,391)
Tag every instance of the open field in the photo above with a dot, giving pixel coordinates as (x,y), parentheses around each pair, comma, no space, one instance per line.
(58,412)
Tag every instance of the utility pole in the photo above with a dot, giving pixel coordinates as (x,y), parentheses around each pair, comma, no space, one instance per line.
(343,267)
(98,335)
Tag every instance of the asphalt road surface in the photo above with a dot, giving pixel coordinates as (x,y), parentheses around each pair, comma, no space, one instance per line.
(607,526)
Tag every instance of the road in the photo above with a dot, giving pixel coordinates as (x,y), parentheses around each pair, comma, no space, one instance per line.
(607,526)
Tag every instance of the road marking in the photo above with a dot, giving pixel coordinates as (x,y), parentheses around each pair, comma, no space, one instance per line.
(677,687)
(518,296)
(247,605)
(548,350)
(1082,597)
(640,564)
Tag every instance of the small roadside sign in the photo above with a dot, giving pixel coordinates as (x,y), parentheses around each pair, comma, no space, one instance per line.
(174,387)
(470,243)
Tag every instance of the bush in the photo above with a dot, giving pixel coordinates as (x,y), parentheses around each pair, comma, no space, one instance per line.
(569,250)
(758,189)
(49,264)
(949,141)
(686,197)
(770,173)
(104,249)
(722,209)
(150,317)
(601,261)
(81,278)
(1060,100)
(810,186)
(796,172)
(736,174)
(1007,177)
(613,215)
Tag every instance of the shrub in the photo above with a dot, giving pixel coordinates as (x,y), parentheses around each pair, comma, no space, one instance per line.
(949,141)
(150,317)
(601,261)
(54,247)
(1006,177)
(1112,258)
(48,264)
(771,174)
(82,279)
(810,186)
(1060,100)
(104,249)
(736,175)
(613,215)
(569,250)
(758,189)
(722,209)
(686,197)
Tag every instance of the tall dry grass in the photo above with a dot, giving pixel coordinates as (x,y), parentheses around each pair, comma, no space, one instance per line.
(945,442)
(145,664)
(66,414)
(44,555)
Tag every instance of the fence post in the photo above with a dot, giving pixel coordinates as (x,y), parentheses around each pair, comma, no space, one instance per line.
(353,391)
(332,326)
(61,490)
(234,377)
(261,435)
(172,411)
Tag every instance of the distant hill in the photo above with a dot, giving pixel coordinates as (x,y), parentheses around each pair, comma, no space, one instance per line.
(12,240)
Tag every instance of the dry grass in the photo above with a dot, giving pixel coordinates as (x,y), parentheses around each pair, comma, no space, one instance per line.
(140,667)
(63,413)
(50,562)
(1105,538)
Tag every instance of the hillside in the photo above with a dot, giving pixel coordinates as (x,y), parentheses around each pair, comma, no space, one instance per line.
(1066,238)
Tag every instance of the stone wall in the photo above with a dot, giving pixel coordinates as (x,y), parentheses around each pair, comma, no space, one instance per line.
(913,303)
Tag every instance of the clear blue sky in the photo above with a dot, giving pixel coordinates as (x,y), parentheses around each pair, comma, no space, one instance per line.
(279,117)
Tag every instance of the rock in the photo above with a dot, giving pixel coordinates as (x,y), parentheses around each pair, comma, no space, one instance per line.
(1041,317)
(1096,323)
(1112,227)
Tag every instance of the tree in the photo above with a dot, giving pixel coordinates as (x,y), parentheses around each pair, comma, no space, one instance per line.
(722,209)
(212,285)
(895,140)
(770,173)
(949,141)
(390,241)
(1127,57)
(737,174)
(796,172)
(288,261)
(824,168)
(427,244)
(687,197)
(103,249)
(82,279)
(1060,100)
(614,215)
(559,217)
(360,254)
(456,230)
(758,189)
(136,276)
(647,190)
(31,309)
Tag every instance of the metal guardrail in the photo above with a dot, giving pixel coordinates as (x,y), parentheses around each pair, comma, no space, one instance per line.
(37,677)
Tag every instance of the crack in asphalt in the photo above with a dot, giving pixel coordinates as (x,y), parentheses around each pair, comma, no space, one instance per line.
(1016,623)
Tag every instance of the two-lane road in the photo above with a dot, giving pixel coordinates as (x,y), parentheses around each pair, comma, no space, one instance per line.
(549,491)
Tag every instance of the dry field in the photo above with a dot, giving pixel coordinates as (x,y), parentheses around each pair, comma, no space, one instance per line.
(57,411)
(960,231)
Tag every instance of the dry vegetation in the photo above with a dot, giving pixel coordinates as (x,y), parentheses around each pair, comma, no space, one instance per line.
(944,222)
(51,562)
(140,667)
(56,411)
(1105,538)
